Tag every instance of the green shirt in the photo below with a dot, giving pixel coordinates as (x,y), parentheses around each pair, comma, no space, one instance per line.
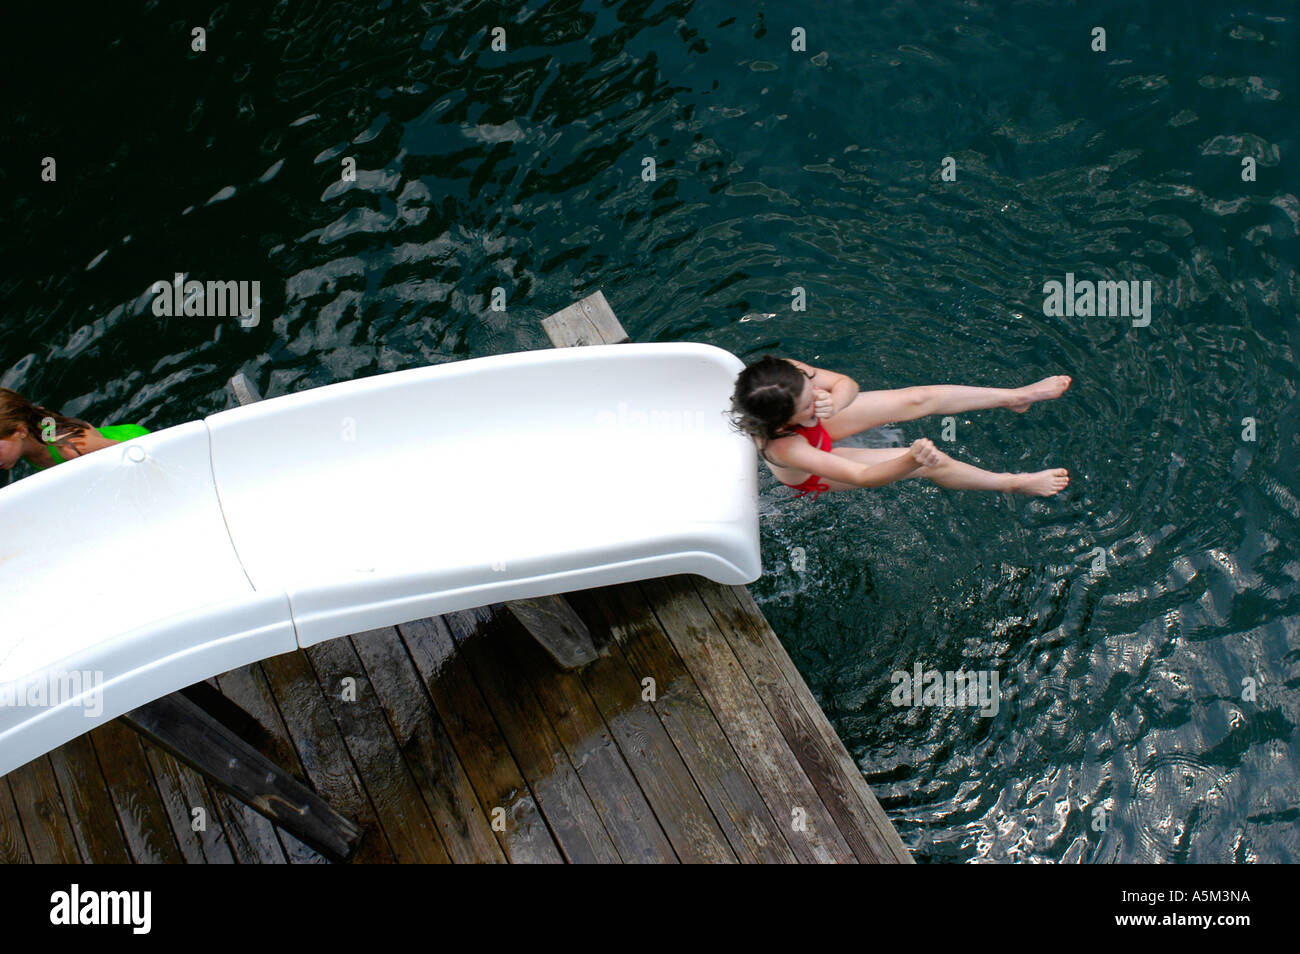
(110,432)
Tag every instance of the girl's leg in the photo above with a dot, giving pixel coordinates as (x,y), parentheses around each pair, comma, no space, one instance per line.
(956,398)
(958,475)
(874,408)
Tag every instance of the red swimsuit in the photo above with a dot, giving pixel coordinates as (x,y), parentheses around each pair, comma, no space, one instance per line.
(818,438)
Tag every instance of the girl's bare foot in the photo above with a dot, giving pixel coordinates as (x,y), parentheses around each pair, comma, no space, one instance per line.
(1043,390)
(1042,484)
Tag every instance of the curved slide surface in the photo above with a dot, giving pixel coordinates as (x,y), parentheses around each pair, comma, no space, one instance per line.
(139,569)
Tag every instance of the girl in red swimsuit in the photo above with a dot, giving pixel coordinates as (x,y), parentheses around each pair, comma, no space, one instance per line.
(795,413)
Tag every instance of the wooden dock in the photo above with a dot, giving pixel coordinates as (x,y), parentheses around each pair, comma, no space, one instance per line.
(690,737)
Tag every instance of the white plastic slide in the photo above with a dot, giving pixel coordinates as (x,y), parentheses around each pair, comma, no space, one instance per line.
(139,569)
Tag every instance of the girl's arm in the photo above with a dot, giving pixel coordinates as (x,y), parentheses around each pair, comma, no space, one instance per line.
(842,394)
(804,456)
(877,475)
(842,388)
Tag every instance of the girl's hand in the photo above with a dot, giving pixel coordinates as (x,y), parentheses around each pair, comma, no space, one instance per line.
(823,406)
(925,453)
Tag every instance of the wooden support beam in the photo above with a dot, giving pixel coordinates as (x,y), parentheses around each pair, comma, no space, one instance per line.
(178,726)
(242,390)
(587,322)
(552,622)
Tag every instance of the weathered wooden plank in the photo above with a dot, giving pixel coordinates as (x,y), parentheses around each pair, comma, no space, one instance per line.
(177,725)
(250,834)
(427,748)
(680,806)
(43,816)
(297,853)
(247,688)
(557,628)
(736,804)
(135,797)
(207,695)
(786,695)
(242,390)
(201,728)
(591,747)
(306,713)
(587,322)
(183,791)
(502,793)
(754,735)
(13,843)
(401,811)
(95,825)
(179,800)
(541,758)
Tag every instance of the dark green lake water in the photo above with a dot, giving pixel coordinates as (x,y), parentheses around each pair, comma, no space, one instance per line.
(1124,731)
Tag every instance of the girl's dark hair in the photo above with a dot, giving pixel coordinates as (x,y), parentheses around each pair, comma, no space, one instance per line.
(766,395)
